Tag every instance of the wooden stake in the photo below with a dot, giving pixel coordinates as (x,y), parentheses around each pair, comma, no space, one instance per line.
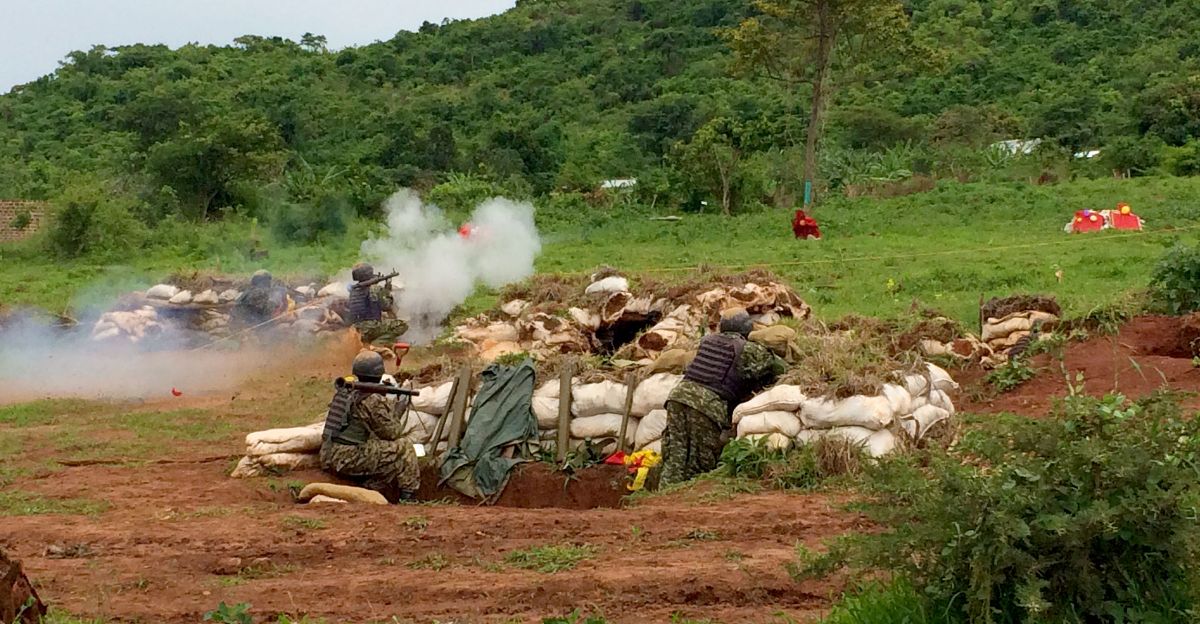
(631,384)
(564,410)
(458,404)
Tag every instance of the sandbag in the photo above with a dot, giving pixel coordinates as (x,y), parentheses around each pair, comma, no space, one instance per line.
(321,498)
(247,468)
(926,417)
(881,443)
(497,332)
(899,400)
(545,409)
(605,397)
(419,426)
(433,399)
(652,393)
(515,307)
(808,436)
(940,379)
(162,291)
(916,385)
(585,318)
(673,361)
(776,337)
(871,413)
(289,461)
(786,423)
(208,297)
(336,290)
(651,428)
(994,329)
(495,350)
(341,492)
(942,400)
(655,446)
(603,426)
(774,441)
(614,284)
(181,298)
(549,390)
(229,295)
(781,398)
(304,438)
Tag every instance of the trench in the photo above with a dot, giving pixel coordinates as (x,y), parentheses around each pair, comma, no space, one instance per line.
(537,485)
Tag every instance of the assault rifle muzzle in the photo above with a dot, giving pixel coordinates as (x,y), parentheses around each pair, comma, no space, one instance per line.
(372,388)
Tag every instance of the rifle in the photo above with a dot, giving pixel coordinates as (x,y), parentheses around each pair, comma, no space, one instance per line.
(350,383)
(377,279)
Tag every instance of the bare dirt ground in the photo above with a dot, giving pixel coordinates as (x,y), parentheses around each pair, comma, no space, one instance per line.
(1147,354)
(170,536)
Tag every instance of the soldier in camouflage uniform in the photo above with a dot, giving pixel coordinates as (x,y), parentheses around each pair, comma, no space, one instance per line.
(727,368)
(367,306)
(370,449)
(261,302)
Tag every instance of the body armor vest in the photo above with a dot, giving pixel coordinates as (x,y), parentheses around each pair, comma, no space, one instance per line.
(363,306)
(715,366)
(341,427)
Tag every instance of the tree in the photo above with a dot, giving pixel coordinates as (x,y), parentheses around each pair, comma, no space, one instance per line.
(712,158)
(805,42)
(314,43)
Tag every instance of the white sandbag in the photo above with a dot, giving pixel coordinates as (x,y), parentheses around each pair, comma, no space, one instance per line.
(786,423)
(545,409)
(208,297)
(337,290)
(655,446)
(781,398)
(614,284)
(652,393)
(872,413)
(162,291)
(181,298)
(774,441)
(230,295)
(433,399)
(602,426)
(419,426)
(111,332)
(307,291)
(925,418)
(942,400)
(916,385)
(857,435)
(301,436)
(808,436)
(994,329)
(549,390)
(321,498)
(247,468)
(585,318)
(881,443)
(605,397)
(515,307)
(898,399)
(651,428)
(940,379)
(290,461)
(309,443)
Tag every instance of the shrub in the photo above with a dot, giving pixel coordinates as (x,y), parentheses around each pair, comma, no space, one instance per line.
(1175,284)
(21,220)
(1014,373)
(90,219)
(1133,156)
(1086,516)
(326,216)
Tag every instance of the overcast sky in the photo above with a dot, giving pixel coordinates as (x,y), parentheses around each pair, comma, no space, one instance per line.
(36,34)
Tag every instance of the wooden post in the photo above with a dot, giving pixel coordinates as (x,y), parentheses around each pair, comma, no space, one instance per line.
(458,406)
(564,410)
(631,384)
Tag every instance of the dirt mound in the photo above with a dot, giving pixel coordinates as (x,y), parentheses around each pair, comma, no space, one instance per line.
(1002,307)
(1148,353)
(18,599)
(538,486)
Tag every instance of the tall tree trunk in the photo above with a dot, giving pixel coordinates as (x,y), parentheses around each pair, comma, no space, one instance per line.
(826,36)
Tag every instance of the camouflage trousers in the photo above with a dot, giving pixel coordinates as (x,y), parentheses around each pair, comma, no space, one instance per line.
(381,333)
(386,466)
(692,443)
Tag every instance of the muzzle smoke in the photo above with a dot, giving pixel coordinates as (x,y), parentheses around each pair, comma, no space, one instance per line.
(439,268)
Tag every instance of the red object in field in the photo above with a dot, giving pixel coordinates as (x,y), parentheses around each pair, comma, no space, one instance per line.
(1087,221)
(401,350)
(175,392)
(1124,219)
(466,230)
(804,226)
(616,459)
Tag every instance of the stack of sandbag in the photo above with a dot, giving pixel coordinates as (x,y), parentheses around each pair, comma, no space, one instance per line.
(132,326)
(597,410)
(280,450)
(967,348)
(1003,334)
(649,406)
(784,415)
(425,410)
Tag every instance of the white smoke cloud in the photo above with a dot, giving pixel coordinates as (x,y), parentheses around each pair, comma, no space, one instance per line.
(439,268)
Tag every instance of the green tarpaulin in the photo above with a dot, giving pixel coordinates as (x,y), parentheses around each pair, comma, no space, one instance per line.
(502,415)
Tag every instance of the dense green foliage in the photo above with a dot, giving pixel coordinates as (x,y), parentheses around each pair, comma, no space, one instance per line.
(552,97)
(1175,285)
(1087,516)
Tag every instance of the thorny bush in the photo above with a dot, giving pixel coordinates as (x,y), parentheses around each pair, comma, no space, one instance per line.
(1087,516)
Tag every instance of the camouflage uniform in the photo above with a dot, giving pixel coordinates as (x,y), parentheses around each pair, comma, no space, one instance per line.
(697,417)
(385,462)
(384,332)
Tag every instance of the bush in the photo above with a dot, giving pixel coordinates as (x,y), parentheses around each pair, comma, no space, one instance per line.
(460,194)
(93,220)
(1175,285)
(1133,156)
(325,217)
(1086,516)
(1184,160)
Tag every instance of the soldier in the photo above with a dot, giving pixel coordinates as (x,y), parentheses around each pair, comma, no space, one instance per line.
(261,302)
(367,307)
(727,368)
(363,439)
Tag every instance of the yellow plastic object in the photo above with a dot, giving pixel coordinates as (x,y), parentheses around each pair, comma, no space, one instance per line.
(644,461)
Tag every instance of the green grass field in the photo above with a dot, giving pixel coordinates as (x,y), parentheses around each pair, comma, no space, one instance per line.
(944,248)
